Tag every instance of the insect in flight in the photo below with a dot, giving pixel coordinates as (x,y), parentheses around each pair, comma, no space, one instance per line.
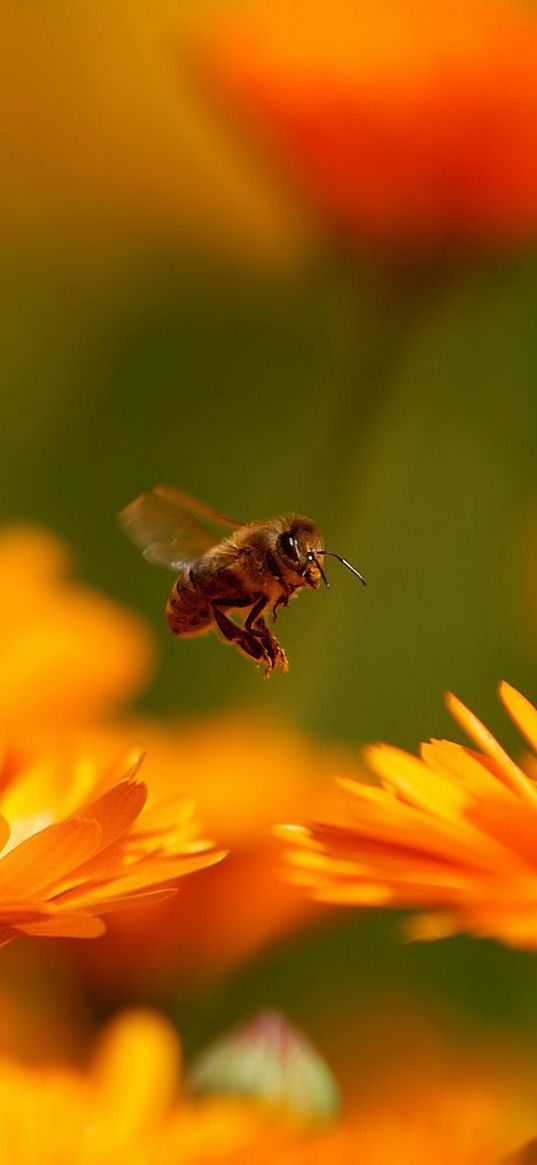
(224,566)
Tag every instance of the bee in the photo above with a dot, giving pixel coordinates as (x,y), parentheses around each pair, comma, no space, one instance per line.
(225,566)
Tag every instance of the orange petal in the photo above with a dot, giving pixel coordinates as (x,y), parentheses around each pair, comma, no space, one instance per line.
(4,832)
(42,860)
(356,894)
(145,874)
(66,926)
(116,810)
(521,711)
(144,898)
(415,783)
(458,763)
(511,775)
(136,1071)
(427,927)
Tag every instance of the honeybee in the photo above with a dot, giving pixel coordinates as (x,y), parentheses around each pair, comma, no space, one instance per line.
(224,566)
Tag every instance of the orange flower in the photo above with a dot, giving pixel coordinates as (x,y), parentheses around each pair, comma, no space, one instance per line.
(245,773)
(431,1100)
(68,654)
(76,844)
(131,1105)
(454,830)
(456,1126)
(403,121)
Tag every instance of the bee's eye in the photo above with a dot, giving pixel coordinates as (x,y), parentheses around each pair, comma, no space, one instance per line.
(289,547)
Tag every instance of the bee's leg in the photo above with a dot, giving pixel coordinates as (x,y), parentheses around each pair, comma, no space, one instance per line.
(254,616)
(272,647)
(256,623)
(245,640)
(282,601)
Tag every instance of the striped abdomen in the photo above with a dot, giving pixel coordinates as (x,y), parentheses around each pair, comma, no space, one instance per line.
(187,612)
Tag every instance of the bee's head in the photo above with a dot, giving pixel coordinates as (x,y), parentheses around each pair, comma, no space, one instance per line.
(299,547)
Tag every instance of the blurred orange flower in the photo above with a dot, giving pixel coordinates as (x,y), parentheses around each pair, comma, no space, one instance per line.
(131,1104)
(454,830)
(76,844)
(68,654)
(454,1126)
(447,1100)
(245,774)
(404,122)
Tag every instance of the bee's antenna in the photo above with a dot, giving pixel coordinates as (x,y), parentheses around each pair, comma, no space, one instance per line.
(312,558)
(344,562)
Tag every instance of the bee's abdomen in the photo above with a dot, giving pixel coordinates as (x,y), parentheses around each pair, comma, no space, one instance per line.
(187,612)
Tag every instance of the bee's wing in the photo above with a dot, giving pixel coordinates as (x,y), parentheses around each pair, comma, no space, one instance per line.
(171,528)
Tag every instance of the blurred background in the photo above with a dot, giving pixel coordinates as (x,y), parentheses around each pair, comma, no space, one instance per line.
(288,269)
